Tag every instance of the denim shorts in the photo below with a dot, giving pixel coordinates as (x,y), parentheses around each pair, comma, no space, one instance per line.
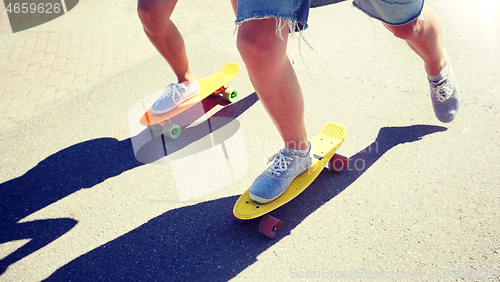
(295,12)
(391,12)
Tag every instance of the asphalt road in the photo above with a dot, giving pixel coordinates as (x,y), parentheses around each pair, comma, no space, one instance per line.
(88,195)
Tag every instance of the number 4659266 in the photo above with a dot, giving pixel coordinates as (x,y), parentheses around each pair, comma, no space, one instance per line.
(24,8)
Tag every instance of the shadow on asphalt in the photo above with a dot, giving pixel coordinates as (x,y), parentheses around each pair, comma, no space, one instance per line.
(203,243)
(85,165)
(199,242)
(220,124)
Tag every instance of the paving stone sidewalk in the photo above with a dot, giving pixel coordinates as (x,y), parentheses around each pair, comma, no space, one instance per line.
(44,63)
(93,40)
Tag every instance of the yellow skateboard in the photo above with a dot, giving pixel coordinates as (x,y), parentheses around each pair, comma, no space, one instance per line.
(324,146)
(213,84)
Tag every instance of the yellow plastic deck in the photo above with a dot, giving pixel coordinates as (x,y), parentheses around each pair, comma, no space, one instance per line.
(324,145)
(208,85)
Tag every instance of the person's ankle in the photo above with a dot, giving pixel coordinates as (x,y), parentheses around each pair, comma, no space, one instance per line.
(189,83)
(436,68)
(440,76)
(299,146)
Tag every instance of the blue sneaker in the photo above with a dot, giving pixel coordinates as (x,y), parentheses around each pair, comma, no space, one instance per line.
(173,95)
(445,95)
(285,167)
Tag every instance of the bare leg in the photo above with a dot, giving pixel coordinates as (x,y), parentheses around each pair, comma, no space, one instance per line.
(423,35)
(234,4)
(161,31)
(273,78)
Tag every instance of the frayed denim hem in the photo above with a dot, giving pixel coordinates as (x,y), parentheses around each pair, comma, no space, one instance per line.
(280,24)
(293,26)
(383,17)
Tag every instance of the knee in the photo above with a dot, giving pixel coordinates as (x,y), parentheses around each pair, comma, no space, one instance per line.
(145,8)
(406,31)
(248,44)
(257,44)
(149,12)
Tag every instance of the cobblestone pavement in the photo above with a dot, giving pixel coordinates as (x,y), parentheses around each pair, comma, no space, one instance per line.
(47,61)
(95,39)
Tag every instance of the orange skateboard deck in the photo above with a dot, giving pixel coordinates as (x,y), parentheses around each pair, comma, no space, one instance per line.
(213,84)
(324,146)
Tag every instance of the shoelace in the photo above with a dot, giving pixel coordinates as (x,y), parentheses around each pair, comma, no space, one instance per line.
(442,91)
(172,90)
(280,163)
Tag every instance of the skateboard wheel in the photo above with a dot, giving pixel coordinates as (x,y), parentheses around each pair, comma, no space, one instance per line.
(338,163)
(230,95)
(242,221)
(172,130)
(270,226)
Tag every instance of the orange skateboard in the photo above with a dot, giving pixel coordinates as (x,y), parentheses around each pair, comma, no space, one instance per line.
(213,84)
(324,146)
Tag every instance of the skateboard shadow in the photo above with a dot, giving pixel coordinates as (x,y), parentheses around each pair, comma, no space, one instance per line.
(158,146)
(80,166)
(202,242)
